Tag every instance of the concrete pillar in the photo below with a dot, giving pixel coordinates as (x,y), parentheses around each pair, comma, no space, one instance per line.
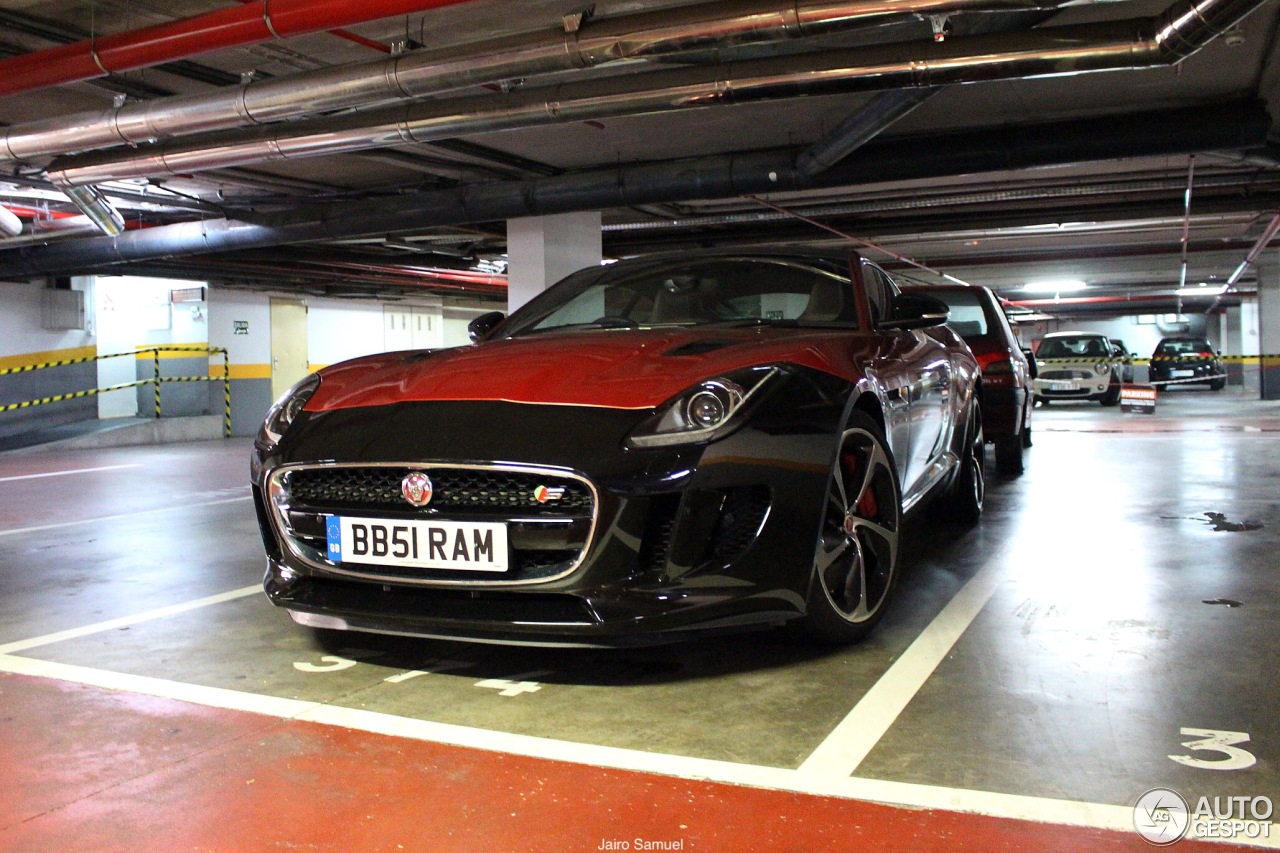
(1231,343)
(1268,265)
(541,250)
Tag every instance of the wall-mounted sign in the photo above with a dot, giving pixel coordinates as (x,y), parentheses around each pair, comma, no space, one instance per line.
(187,294)
(240,327)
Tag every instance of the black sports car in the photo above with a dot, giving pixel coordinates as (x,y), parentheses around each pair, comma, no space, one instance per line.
(661,445)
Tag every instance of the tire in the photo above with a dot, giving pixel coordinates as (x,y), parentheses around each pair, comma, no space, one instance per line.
(855,562)
(962,502)
(1112,397)
(1217,384)
(1009,459)
(1026,437)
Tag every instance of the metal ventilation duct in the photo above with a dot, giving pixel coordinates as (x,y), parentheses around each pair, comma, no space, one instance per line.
(424,73)
(1235,126)
(1139,43)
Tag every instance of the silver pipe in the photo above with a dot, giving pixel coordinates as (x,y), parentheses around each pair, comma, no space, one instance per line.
(425,73)
(1253,253)
(1141,43)
(96,207)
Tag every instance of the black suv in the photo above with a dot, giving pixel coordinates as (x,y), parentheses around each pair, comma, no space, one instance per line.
(1185,360)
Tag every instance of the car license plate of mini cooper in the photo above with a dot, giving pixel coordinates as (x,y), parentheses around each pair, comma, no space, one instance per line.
(1063,386)
(467,546)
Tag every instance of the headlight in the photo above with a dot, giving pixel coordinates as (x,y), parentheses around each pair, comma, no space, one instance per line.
(286,409)
(1102,368)
(704,412)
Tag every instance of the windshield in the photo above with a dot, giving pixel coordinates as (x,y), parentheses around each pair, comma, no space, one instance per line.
(705,291)
(1077,347)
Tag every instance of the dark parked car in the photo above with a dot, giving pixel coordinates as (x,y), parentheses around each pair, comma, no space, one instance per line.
(1007,396)
(681,442)
(1186,360)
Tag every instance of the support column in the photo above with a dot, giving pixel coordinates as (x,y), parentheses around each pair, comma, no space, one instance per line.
(541,250)
(1231,343)
(1268,266)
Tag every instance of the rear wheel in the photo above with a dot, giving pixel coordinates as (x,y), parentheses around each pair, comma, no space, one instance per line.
(1009,454)
(963,499)
(855,561)
(1217,384)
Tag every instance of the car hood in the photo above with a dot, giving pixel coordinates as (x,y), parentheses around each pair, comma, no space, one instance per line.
(624,369)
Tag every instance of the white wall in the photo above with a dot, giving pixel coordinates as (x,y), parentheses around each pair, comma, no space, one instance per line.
(338,330)
(1140,338)
(20,331)
(132,311)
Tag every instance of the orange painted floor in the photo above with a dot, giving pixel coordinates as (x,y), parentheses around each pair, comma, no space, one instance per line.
(96,770)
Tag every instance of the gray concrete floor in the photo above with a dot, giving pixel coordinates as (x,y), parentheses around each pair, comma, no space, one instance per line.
(1073,680)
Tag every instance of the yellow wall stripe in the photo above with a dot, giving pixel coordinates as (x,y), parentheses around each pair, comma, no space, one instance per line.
(11,361)
(198,351)
(241,371)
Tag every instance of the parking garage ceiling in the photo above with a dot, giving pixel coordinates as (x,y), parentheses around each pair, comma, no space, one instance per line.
(380,147)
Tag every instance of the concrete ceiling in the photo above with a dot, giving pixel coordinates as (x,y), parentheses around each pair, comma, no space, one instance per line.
(1076,175)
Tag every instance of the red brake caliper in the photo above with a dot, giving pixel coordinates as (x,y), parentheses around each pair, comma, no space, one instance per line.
(867,506)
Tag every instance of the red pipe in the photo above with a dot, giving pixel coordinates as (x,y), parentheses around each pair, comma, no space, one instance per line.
(259,21)
(348,35)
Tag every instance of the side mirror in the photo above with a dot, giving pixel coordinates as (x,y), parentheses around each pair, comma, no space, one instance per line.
(1032,365)
(480,327)
(915,311)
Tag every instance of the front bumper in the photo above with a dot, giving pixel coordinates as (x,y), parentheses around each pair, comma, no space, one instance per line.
(680,539)
(1188,372)
(1072,382)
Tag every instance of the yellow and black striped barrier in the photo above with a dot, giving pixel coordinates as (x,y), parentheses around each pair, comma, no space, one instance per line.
(156,380)
(1269,360)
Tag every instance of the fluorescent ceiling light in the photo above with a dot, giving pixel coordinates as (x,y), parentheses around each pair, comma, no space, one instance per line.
(1065,285)
(1202,290)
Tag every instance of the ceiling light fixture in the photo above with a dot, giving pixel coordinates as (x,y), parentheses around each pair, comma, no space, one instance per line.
(1065,285)
(1202,290)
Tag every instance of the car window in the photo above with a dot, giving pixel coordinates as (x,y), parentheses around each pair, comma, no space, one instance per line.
(1182,347)
(880,290)
(713,290)
(968,318)
(1081,347)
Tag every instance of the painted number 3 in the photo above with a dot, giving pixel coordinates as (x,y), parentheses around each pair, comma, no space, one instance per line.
(1215,741)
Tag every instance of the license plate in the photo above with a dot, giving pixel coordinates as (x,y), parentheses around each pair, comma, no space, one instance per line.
(1063,386)
(1178,373)
(467,546)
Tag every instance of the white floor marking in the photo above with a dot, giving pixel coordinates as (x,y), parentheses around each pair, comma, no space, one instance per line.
(103,518)
(1008,806)
(124,621)
(848,744)
(65,473)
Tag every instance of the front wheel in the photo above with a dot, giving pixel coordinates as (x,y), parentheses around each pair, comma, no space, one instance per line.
(1112,397)
(1217,384)
(856,557)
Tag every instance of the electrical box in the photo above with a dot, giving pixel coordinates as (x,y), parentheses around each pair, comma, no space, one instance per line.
(62,310)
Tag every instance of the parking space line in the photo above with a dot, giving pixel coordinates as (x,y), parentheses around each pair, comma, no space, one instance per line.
(65,473)
(125,621)
(15,531)
(1008,806)
(839,755)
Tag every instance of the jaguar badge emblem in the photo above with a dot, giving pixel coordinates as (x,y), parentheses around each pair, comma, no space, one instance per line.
(416,488)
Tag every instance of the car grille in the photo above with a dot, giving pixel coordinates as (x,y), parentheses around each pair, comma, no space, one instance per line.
(550,515)
(454,489)
(1066,374)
